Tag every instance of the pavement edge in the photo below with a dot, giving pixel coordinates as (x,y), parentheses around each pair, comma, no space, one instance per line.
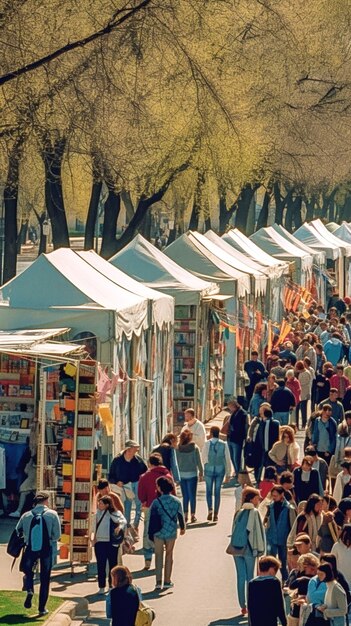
(68,612)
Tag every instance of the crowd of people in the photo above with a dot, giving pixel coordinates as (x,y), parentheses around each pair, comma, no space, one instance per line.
(286,448)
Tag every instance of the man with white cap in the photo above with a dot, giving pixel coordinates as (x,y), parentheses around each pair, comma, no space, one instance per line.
(125,471)
(41,529)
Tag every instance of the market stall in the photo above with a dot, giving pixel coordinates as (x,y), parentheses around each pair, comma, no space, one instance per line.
(198,374)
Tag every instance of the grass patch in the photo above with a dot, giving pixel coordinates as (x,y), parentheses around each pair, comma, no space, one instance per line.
(12,611)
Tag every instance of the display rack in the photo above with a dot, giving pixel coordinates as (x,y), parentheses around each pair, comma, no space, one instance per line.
(17,398)
(216,384)
(185,360)
(66,451)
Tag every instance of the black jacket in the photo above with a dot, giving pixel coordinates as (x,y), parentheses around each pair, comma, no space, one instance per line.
(304,490)
(126,471)
(124,605)
(273,434)
(265,602)
(238,426)
(282,399)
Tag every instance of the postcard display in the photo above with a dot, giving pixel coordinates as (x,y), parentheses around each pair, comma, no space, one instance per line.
(198,362)
(66,451)
(17,403)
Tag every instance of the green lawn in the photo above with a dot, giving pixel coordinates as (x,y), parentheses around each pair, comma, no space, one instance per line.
(12,611)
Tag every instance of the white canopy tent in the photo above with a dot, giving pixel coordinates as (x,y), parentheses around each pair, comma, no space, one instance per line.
(194,255)
(146,263)
(63,288)
(141,260)
(311,236)
(275,245)
(343,232)
(332,226)
(245,245)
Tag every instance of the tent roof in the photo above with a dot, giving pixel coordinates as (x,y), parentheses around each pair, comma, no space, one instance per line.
(312,238)
(318,255)
(36,342)
(344,232)
(319,226)
(273,243)
(236,259)
(146,263)
(240,242)
(332,226)
(63,278)
(162,304)
(190,252)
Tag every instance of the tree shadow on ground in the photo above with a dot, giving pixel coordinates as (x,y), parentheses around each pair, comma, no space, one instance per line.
(237,620)
(16,619)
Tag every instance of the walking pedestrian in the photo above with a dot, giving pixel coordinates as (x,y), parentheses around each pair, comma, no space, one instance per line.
(41,530)
(170,510)
(264,437)
(282,402)
(190,470)
(265,597)
(324,434)
(216,462)
(107,530)
(125,471)
(255,371)
(334,604)
(147,493)
(285,453)
(167,449)
(278,521)
(247,541)
(237,431)
(306,480)
(305,379)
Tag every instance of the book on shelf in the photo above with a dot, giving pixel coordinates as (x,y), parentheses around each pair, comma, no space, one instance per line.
(184,325)
(184,351)
(183,377)
(185,337)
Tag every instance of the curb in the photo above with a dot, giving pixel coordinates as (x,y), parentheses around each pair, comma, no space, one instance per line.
(68,611)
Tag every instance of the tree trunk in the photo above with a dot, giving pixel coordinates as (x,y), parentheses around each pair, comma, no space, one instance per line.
(90,224)
(22,236)
(279,204)
(310,206)
(289,215)
(262,219)
(243,206)
(297,216)
(345,210)
(112,208)
(10,206)
(207,224)
(128,204)
(197,202)
(53,151)
(145,226)
(42,238)
(143,206)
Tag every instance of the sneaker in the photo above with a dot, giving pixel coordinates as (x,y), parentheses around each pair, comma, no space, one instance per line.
(43,612)
(147,564)
(158,587)
(215,517)
(209,516)
(193,519)
(15,514)
(102,590)
(28,600)
(168,585)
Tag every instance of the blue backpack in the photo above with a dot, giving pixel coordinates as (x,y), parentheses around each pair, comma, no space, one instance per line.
(38,534)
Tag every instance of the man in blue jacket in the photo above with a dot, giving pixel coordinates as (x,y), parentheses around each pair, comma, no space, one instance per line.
(278,522)
(324,434)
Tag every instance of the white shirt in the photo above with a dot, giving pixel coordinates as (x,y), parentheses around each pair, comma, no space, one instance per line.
(199,433)
(343,558)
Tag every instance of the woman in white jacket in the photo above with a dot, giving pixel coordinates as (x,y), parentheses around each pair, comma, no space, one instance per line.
(108,527)
(247,542)
(285,453)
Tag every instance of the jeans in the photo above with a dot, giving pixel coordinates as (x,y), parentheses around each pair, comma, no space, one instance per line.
(105,553)
(213,480)
(129,503)
(148,546)
(282,552)
(245,566)
(161,546)
(235,450)
(282,417)
(29,558)
(188,487)
(302,406)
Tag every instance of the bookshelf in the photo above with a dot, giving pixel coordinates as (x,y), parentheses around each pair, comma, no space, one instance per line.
(185,360)
(17,398)
(66,436)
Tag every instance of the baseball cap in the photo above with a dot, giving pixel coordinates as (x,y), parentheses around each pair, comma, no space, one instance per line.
(131,443)
(41,496)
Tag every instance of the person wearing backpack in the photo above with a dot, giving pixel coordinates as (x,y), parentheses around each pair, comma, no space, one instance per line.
(216,461)
(247,542)
(41,529)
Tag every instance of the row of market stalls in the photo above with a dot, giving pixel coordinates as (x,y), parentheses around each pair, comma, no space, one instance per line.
(171,329)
